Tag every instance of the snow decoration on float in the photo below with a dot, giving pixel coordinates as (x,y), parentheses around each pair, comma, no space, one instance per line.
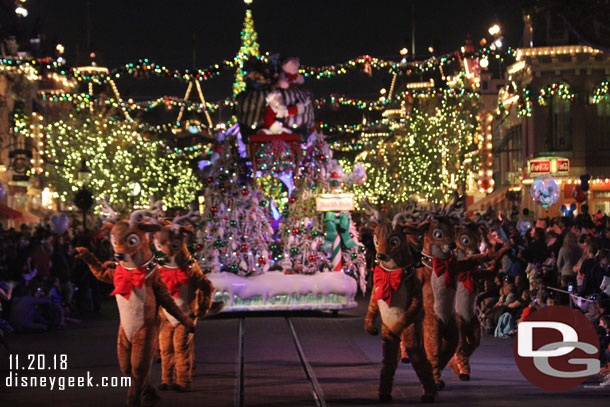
(279,291)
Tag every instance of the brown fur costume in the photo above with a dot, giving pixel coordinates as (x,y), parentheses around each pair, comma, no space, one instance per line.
(138,306)
(438,277)
(467,239)
(401,313)
(193,295)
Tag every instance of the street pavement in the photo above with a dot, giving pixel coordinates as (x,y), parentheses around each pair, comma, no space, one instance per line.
(329,361)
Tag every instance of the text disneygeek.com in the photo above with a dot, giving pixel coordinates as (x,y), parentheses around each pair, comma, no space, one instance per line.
(24,373)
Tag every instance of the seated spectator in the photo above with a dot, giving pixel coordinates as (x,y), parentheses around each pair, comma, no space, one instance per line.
(522,283)
(508,296)
(24,315)
(604,340)
(6,292)
(488,297)
(533,305)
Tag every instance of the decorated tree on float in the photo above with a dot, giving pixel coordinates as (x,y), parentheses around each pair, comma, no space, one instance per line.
(235,231)
(270,184)
(316,234)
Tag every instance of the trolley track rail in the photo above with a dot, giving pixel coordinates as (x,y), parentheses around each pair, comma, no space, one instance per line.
(312,380)
(241,374)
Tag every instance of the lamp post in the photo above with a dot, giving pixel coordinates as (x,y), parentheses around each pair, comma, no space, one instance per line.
(84,172)
(83,199)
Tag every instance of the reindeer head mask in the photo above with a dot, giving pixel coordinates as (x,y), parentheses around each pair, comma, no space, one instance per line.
(467,239)
(392,245)
(171,239)
(129,238)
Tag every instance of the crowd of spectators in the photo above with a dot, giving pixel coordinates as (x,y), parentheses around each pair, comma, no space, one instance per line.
(42,286)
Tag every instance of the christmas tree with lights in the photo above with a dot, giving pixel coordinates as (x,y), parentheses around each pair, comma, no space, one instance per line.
(249,48)
(431,155)
(120,158)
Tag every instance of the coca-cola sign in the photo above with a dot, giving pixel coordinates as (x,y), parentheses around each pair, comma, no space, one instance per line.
(554,166)
(540,167)
(563,166)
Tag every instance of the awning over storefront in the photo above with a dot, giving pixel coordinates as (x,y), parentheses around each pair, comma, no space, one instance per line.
(7,212)
(19,215)
(28,217)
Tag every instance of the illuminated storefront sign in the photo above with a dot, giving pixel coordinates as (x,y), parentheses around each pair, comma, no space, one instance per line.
(553,166)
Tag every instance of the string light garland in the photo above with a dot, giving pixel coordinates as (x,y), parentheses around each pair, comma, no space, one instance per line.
(509,95)
(562,89)
(144,68)
(367,62)
(169,102)
(382,103)
(526,105)
(600,93)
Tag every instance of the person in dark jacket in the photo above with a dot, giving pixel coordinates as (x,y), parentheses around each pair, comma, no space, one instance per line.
(589,262)
(593,279)
(537,251)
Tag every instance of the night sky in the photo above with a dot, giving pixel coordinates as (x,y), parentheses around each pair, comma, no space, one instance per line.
(319,32)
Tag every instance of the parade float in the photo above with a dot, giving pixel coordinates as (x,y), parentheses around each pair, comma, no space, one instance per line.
(276,231)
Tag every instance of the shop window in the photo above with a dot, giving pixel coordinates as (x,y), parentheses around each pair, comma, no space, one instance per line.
(603,123)
(561,123)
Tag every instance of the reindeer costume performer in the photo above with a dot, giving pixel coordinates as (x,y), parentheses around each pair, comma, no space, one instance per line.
(192,292)
(139,292)
(439,275)
(467,239)
(397,296)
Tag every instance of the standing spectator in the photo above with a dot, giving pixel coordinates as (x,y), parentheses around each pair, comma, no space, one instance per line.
(568,257)
(593,279)
(583,218)
(585,268)
(558,232)
(536,252)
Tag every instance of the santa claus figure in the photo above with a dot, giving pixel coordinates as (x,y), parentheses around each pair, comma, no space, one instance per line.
(276,111)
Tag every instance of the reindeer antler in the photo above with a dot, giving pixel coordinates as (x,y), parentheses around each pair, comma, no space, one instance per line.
(108,214)
(192,216)
(372,214)
(156,207)
(457,207)
(142,215)
(412,213)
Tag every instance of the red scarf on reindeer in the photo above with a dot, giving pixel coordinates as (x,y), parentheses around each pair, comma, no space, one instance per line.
(386,281)
(468,280)
(124,280)
(448,266)
(174,278)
